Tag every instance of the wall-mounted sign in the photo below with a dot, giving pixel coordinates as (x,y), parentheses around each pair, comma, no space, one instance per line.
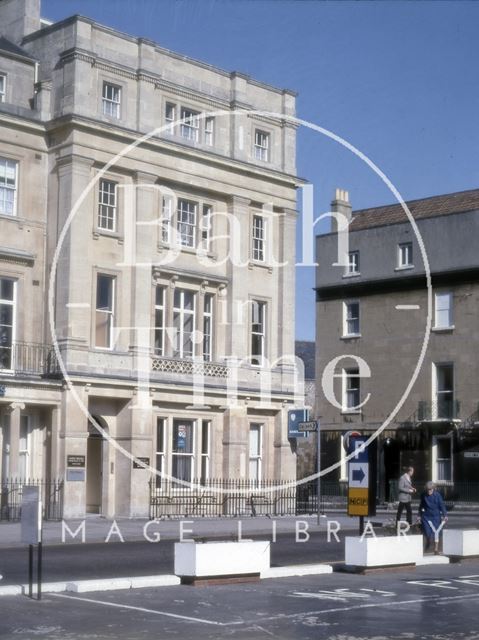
(75,475)
(295,417)
(471,454)
(181,438)
(139,466)
(77,462)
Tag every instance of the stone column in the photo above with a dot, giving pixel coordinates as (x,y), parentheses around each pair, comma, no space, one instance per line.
(235,443)
(14,459)
(284,458)
(74,433)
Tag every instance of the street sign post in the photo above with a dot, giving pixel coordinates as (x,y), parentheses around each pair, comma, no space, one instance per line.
(31,533)
(361,478)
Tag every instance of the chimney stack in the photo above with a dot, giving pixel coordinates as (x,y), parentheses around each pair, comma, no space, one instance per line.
(19,18)
(341,204)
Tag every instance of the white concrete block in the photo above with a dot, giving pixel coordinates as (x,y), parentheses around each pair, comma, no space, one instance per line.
(47,587)
(83,586)
(154,581)
(296,570)
(425,560)
(383,551)
(221,558)
(458,542)
(11,590)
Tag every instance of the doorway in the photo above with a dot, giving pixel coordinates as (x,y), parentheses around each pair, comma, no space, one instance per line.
(94,468)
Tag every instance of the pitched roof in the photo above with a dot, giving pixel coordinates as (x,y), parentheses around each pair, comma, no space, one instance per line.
(458,202)
(13,49)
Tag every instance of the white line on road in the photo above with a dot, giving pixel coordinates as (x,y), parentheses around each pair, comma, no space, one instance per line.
(390,603)
(143,610)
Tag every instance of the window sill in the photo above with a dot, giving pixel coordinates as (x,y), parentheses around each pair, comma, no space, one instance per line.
(180,248)
(108,234)
(443,329)
(351,275)
(351,412)
(260,265)
(351,336)
(406,267)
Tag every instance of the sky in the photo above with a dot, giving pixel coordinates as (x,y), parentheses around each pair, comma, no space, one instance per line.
(397,80)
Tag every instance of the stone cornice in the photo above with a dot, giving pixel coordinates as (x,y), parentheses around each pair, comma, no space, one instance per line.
(16,256)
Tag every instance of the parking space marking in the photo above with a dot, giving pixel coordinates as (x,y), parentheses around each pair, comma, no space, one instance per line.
(144,610)
(351,607)
(280,616)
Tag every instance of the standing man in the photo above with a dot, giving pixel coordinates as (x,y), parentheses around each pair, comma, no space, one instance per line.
(405,493)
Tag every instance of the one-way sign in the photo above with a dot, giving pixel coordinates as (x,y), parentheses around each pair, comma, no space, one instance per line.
(359,475)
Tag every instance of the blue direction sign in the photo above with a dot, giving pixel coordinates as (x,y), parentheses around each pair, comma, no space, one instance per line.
(295,417)
(361,476)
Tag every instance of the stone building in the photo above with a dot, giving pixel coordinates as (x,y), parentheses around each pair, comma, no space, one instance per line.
(152,197)
(372,316)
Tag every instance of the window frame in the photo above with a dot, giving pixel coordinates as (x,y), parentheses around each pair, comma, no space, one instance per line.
(256,458)
(7,188)
(440,395)
(111,108)
(449,310)
(159,329)
(180,233)
(190,124)
(190,455)
(113,208)
(182,312)
(160,450)
(262,305)
(208,318)
(347,304)
(258,238)
(205,453)
(405,251)
(209,132)
(110,313)
(353,268)
(13,305)
(3,91)
(351,374)
(262,152)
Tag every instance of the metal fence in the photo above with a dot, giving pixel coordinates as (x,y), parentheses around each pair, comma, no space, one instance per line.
(11,491)
(222,497)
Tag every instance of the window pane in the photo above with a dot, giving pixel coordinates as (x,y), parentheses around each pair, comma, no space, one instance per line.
(104,295)
(254,440)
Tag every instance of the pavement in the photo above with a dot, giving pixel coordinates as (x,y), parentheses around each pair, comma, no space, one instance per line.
(430,603)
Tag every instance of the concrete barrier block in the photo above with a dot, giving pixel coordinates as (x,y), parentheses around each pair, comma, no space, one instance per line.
(83,586)
(154,581)
(383,551)
(11,590)
(246,557)
(296,570)
(47,587)
(460,543)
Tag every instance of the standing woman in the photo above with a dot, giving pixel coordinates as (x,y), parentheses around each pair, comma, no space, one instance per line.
(432,512)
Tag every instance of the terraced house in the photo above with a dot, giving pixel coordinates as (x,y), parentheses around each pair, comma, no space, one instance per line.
(158,194)
(420,389)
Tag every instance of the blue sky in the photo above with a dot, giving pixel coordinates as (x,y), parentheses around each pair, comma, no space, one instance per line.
(398,80)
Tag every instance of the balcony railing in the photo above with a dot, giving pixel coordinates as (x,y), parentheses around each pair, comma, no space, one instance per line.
(189,367)
(28,358)
(446,409)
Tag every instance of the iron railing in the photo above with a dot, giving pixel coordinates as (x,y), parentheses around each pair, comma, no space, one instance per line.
(11,491)
(28,358)
(446,408)
(238,497)
(452,492)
